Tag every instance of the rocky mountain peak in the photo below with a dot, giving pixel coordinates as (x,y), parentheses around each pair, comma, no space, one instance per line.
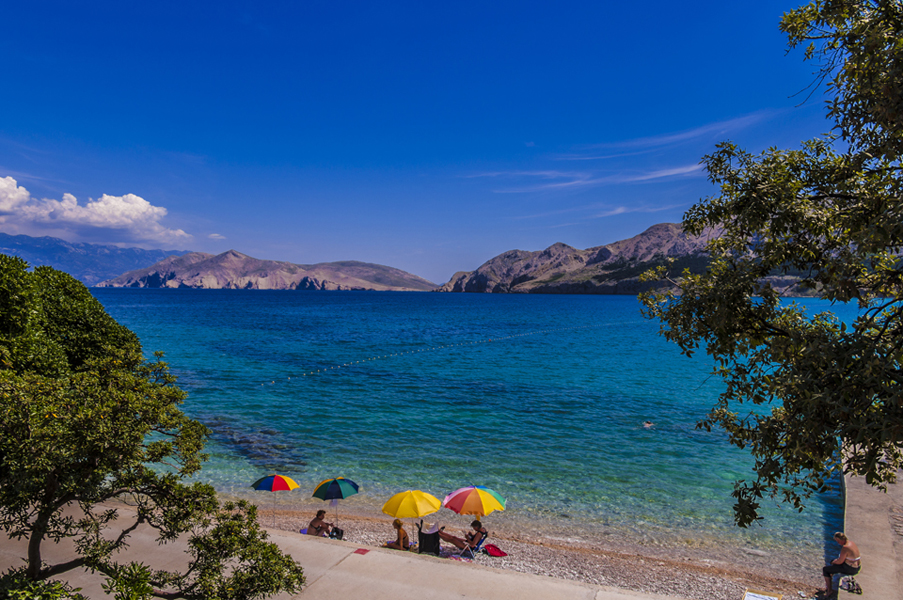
(561,268)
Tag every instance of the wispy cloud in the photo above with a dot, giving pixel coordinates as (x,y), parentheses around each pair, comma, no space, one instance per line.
(553,179)
(216,236)
(645,145)
(563,211)
(23,176)
(545,174)
(622,210)
(558,180)
(598,157)
(663,173)
(127,218)
(598,211)
(668,139)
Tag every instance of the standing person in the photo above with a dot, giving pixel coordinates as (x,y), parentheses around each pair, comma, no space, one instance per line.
(848,562)
(318,526)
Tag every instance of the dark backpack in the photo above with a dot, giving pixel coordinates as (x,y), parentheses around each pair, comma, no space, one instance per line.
(427,543)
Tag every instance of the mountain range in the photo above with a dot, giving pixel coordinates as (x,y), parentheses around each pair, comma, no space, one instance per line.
(609,269)
(234,270)
(559,269)
(89,263)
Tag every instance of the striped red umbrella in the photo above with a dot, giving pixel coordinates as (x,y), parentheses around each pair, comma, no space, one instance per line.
(275,483)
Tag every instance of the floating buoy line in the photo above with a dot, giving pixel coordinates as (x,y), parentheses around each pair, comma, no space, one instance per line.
(328,370)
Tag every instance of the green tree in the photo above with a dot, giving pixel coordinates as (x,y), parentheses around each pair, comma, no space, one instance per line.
(86,420)
(807,394)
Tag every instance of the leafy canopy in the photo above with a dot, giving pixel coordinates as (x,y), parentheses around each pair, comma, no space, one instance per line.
(84,421)
(827,395)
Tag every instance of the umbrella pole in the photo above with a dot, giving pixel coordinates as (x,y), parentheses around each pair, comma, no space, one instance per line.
(335,503)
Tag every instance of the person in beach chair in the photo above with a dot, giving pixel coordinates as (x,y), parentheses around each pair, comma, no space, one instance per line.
(318,526)
(402,542)
(471,541)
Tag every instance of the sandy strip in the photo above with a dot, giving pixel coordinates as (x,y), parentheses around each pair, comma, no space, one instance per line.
(642,571)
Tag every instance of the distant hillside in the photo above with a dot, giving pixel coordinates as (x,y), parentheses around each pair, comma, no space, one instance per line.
(561,269)
(234,270)
(89,263)
(611,269)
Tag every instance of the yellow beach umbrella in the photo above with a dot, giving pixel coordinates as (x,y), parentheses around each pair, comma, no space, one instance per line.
(411,505)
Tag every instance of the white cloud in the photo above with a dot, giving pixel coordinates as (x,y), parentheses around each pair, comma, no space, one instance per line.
(216,236)
(12,197)
(127,218)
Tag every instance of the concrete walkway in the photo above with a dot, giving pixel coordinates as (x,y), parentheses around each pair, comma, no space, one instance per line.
(874,520)
(342,570)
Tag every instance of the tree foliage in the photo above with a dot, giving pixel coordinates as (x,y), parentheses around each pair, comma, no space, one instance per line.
(826,395)
(86,420)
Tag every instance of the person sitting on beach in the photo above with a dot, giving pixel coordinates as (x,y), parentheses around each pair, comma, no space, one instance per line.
(470,540)
(848,562)
(402,542)
(318,526)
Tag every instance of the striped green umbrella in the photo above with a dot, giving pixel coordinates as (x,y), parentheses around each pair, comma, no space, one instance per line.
(335,490)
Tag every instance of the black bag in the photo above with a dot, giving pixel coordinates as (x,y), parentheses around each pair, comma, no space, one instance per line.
(336,533)
(427,543)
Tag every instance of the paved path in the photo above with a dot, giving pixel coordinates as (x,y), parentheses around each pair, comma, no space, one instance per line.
(342,570)
(874,520)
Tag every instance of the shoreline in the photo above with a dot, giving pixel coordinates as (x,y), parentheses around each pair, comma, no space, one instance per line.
(640,569)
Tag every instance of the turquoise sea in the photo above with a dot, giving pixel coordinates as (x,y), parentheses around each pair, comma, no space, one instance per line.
(540,397)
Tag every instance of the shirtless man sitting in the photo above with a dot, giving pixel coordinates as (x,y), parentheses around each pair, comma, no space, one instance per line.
(848,562)
(318,526)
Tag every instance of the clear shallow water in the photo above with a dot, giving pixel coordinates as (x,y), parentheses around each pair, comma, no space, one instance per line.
(541,398)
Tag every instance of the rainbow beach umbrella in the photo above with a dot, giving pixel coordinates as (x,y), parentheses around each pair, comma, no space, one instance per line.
(474,500)
(335,489)
(275,483)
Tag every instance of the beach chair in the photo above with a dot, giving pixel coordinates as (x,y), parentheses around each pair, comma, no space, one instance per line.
(473,551)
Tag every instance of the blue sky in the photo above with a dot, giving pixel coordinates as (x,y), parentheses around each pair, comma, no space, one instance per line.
(425,136)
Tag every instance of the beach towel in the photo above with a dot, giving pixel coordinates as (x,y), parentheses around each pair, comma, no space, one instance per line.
(493,550)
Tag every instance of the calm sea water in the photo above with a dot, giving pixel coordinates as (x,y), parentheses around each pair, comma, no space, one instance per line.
(541,398)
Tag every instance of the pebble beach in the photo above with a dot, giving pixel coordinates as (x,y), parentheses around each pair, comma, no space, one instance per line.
(643,570)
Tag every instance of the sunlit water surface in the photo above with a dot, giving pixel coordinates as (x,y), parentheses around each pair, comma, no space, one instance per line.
(540,397)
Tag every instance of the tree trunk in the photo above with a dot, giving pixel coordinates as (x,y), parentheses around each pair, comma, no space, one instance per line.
(34,547)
